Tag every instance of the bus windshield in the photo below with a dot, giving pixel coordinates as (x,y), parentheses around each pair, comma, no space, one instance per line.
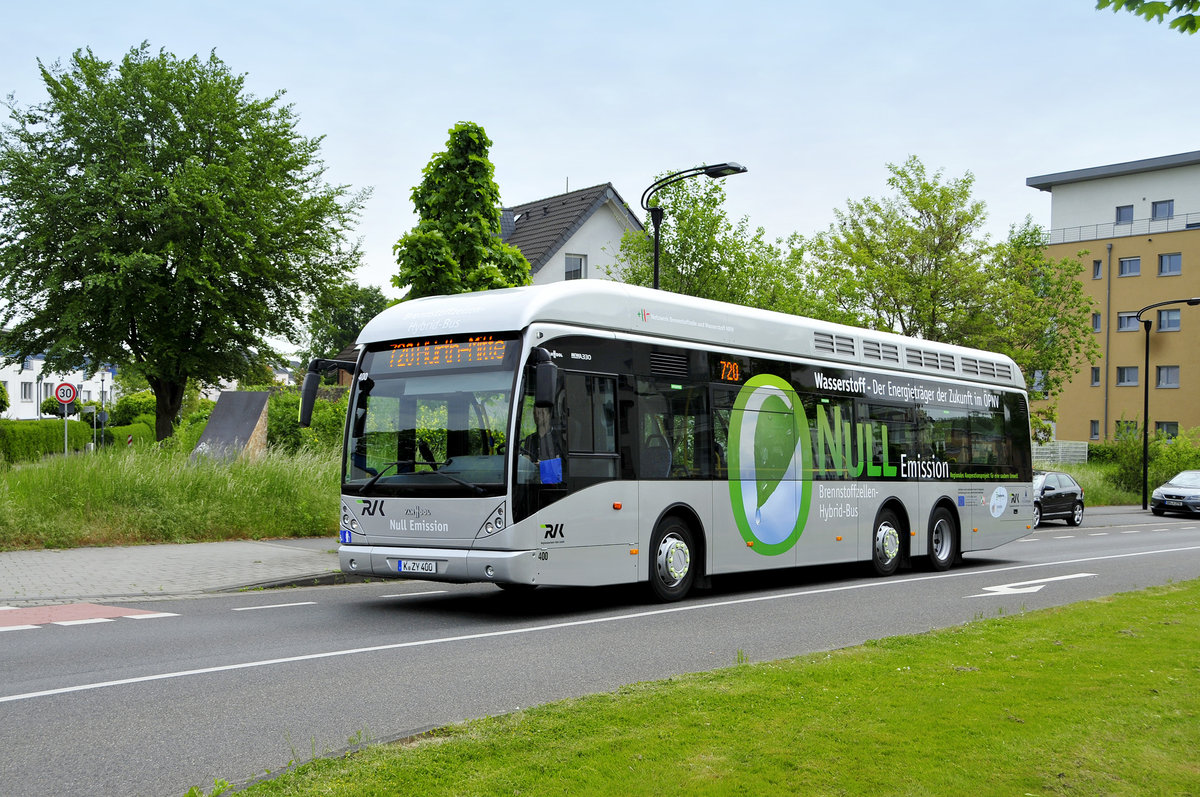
(428,429)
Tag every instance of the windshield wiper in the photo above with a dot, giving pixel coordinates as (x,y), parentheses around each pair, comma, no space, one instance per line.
(382,472)
(414,462)
(478,490)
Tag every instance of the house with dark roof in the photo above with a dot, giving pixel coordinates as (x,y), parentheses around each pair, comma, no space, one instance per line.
(575,235)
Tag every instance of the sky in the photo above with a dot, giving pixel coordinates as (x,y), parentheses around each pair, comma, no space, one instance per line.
(814,98)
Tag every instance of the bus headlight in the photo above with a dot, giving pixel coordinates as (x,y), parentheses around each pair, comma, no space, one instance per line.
(494,522)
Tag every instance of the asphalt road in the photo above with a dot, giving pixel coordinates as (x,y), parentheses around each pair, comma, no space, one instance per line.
(232,686)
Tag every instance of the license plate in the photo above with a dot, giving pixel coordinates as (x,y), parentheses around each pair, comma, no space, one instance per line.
(416,566)
(1174,503)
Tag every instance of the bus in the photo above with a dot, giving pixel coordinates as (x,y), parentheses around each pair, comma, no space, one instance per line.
(592,433)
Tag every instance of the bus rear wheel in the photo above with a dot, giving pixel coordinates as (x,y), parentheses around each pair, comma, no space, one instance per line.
(885,543)
(671,570)
(943,541)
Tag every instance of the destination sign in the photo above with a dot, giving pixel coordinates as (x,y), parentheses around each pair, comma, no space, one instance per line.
(442,354)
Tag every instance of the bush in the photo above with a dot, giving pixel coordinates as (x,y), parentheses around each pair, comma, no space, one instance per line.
(129,407)
(283,422)
(119,435)
(1167,456)
(1102,452)
(29,441)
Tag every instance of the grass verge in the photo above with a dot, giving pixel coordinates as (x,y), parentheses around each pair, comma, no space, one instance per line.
(149,495)
(1101,697)
(1099,482)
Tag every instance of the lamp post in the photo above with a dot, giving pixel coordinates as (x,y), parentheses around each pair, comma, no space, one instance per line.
(656,212)
(1146,324)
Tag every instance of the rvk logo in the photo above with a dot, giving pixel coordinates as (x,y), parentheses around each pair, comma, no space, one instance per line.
(372,508)
(553,531)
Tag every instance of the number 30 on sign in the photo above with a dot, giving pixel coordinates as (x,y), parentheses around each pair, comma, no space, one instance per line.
(64,392)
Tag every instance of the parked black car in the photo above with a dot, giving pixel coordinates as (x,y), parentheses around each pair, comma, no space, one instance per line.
(1181,494)
(1056,495)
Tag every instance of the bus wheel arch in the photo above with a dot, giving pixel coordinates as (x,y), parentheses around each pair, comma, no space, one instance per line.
(889,538)
(943,536)
(676,554)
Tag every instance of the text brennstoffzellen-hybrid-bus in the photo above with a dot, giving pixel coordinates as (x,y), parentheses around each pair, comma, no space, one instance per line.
(587,433)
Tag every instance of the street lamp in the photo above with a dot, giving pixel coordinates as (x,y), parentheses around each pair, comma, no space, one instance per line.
(1146,324)
(656,212)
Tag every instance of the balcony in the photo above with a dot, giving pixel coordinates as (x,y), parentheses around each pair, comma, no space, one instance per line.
(1092,232)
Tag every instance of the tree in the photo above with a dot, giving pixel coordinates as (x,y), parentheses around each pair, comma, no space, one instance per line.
(702,253)
(158,216)
(338,315)
(1038,314)
(917,263)
(3,398)
(456,245)
(908,263)
(1184,23)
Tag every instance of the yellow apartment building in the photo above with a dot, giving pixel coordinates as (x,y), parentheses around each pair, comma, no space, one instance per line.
(1136,228)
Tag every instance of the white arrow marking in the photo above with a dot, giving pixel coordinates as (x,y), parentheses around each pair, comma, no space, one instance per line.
(1025,586)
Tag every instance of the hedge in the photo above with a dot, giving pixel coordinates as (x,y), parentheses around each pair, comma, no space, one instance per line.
(29,441)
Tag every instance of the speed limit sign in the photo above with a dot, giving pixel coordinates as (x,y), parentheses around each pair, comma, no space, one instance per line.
(64,392)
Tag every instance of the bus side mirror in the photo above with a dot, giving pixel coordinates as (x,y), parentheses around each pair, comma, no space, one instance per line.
(308,396)
(312,380)
(546,384)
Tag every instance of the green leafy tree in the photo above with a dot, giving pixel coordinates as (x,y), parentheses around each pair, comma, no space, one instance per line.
(456,246)
(917,263)
(907,263)
(51,406)
(1038,314)
(1188,21)
(3,398)
(154,214)
(702,253)
(338,315)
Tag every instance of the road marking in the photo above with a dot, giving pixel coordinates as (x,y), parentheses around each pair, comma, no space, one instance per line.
(1027,539)
(274,606)
(1025,586)
(414,594)
(18,627)
(1097,533)
(71,614)
(669,610)
(1135,531)
(1066,537)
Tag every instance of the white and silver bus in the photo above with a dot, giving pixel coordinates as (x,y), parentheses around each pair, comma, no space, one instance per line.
(589,432)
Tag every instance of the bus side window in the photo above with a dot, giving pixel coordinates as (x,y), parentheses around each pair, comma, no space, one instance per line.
(722,404)
(591,417)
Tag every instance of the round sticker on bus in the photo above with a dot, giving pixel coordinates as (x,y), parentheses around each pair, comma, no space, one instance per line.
(768,448)
(999,502)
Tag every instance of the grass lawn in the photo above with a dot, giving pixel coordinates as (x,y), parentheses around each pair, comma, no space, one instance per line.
(1101,697)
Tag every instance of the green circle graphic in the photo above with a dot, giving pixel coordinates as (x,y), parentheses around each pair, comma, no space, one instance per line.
(769,451)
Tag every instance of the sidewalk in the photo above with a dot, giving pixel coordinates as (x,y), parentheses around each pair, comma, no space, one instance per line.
(154,572)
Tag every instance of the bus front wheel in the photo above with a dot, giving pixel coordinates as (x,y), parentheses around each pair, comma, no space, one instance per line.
(885,543)
(943,541)
(672,570)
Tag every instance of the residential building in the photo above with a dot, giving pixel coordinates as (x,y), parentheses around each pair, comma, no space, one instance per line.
(1135,227)
(27,386)
(576,235)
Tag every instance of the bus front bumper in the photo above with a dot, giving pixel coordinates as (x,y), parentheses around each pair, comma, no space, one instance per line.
(439,564)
